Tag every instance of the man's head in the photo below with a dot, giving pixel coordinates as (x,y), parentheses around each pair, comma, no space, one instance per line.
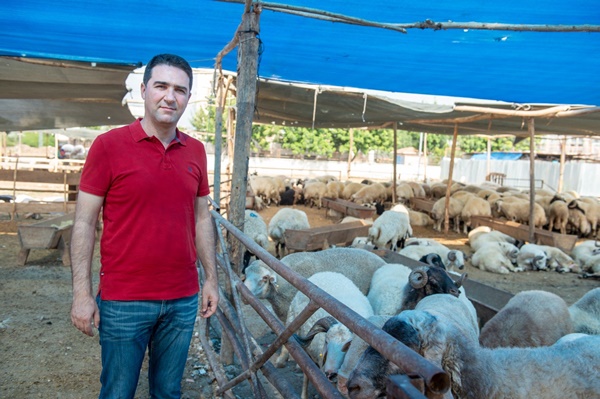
(166,90)
(168,59)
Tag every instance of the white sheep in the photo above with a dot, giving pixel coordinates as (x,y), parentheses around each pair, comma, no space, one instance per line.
(530,318)
(350,189)
(266,188)
(585,313)
(591,268)
(455,207)
(452,258)
(591,209)
(578,222)
(532,257)
(518,211)
(419,218)
(389,229)
(337,337)
(496,257)
(558,215)
(372,193)
(286,219)
(404,192)
(584,251)
(559,261)
(483,234)
(314,193)
(395,287)
(568,369)
(334,189)
(356,264)
(368,379)
(255,228)
(474,206)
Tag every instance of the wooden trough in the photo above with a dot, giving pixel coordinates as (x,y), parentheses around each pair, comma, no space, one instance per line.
(564,242)
(486,299)
(422,204)
(318,238)
(348,208)
(54,233)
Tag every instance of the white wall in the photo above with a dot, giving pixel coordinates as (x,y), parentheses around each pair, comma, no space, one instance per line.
(579,176)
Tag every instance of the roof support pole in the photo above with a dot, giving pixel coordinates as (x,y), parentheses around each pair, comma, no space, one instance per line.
(350,145)
(218,141)
(246,96)
(563,156)
(450,171)
(394,180)
(489,156)
(425,158)
(531,128)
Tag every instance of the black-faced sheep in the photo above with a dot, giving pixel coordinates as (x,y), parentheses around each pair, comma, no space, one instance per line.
(568,369)
(369,377)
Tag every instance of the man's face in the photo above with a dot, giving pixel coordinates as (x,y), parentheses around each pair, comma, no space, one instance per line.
(166,95)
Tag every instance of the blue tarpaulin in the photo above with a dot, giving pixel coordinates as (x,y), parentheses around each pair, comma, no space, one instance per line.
(502,156)
(521,67)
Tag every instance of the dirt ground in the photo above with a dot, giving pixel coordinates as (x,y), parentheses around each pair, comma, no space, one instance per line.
(43,356)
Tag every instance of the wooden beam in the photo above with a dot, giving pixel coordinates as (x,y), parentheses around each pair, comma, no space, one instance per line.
(531,128)
(246,99)
(450,171)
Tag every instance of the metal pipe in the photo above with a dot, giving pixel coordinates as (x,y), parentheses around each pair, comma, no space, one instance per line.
(435,378)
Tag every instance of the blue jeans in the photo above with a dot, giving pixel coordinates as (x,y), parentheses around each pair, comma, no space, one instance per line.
(127,328)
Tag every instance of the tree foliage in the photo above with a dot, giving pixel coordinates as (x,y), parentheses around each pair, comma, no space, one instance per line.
(326,142)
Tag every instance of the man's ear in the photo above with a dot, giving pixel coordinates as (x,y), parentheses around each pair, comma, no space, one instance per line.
(143,90)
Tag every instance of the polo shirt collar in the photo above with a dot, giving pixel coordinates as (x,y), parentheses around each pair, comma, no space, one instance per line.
(138,133)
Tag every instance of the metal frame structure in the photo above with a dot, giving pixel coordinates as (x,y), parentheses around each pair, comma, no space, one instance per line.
(433,381)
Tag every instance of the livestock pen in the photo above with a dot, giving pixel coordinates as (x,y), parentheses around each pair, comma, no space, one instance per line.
(423,380)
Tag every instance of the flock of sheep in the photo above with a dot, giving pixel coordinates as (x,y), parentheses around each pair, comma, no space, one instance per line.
(535,346)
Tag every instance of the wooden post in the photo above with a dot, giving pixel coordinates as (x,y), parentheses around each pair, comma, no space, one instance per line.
(221,97)
(531,128)
(563,156)
(350,145)
(425,158)
(246,97)
(450,171)
(489,155)
(394,181)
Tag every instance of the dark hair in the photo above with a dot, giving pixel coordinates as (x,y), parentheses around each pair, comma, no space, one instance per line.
(171,60)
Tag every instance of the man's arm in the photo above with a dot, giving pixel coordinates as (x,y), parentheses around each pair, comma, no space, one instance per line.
(206,250)
(84,310)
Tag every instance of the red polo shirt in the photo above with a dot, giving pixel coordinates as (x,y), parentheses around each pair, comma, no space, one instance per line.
(148,243)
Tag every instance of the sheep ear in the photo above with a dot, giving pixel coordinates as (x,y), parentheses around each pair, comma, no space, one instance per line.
(418,277)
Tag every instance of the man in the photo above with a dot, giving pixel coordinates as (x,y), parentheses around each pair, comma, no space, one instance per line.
(151,182)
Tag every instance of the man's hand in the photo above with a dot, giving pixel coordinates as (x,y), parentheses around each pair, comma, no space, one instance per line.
(210,298)
(85,314)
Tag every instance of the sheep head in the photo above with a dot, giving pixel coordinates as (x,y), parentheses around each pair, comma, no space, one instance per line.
(427,280)
(369,377)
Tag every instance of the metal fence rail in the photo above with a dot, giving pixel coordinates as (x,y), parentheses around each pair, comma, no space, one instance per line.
(434,382)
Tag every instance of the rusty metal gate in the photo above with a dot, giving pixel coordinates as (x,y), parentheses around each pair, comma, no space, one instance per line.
(425,379)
